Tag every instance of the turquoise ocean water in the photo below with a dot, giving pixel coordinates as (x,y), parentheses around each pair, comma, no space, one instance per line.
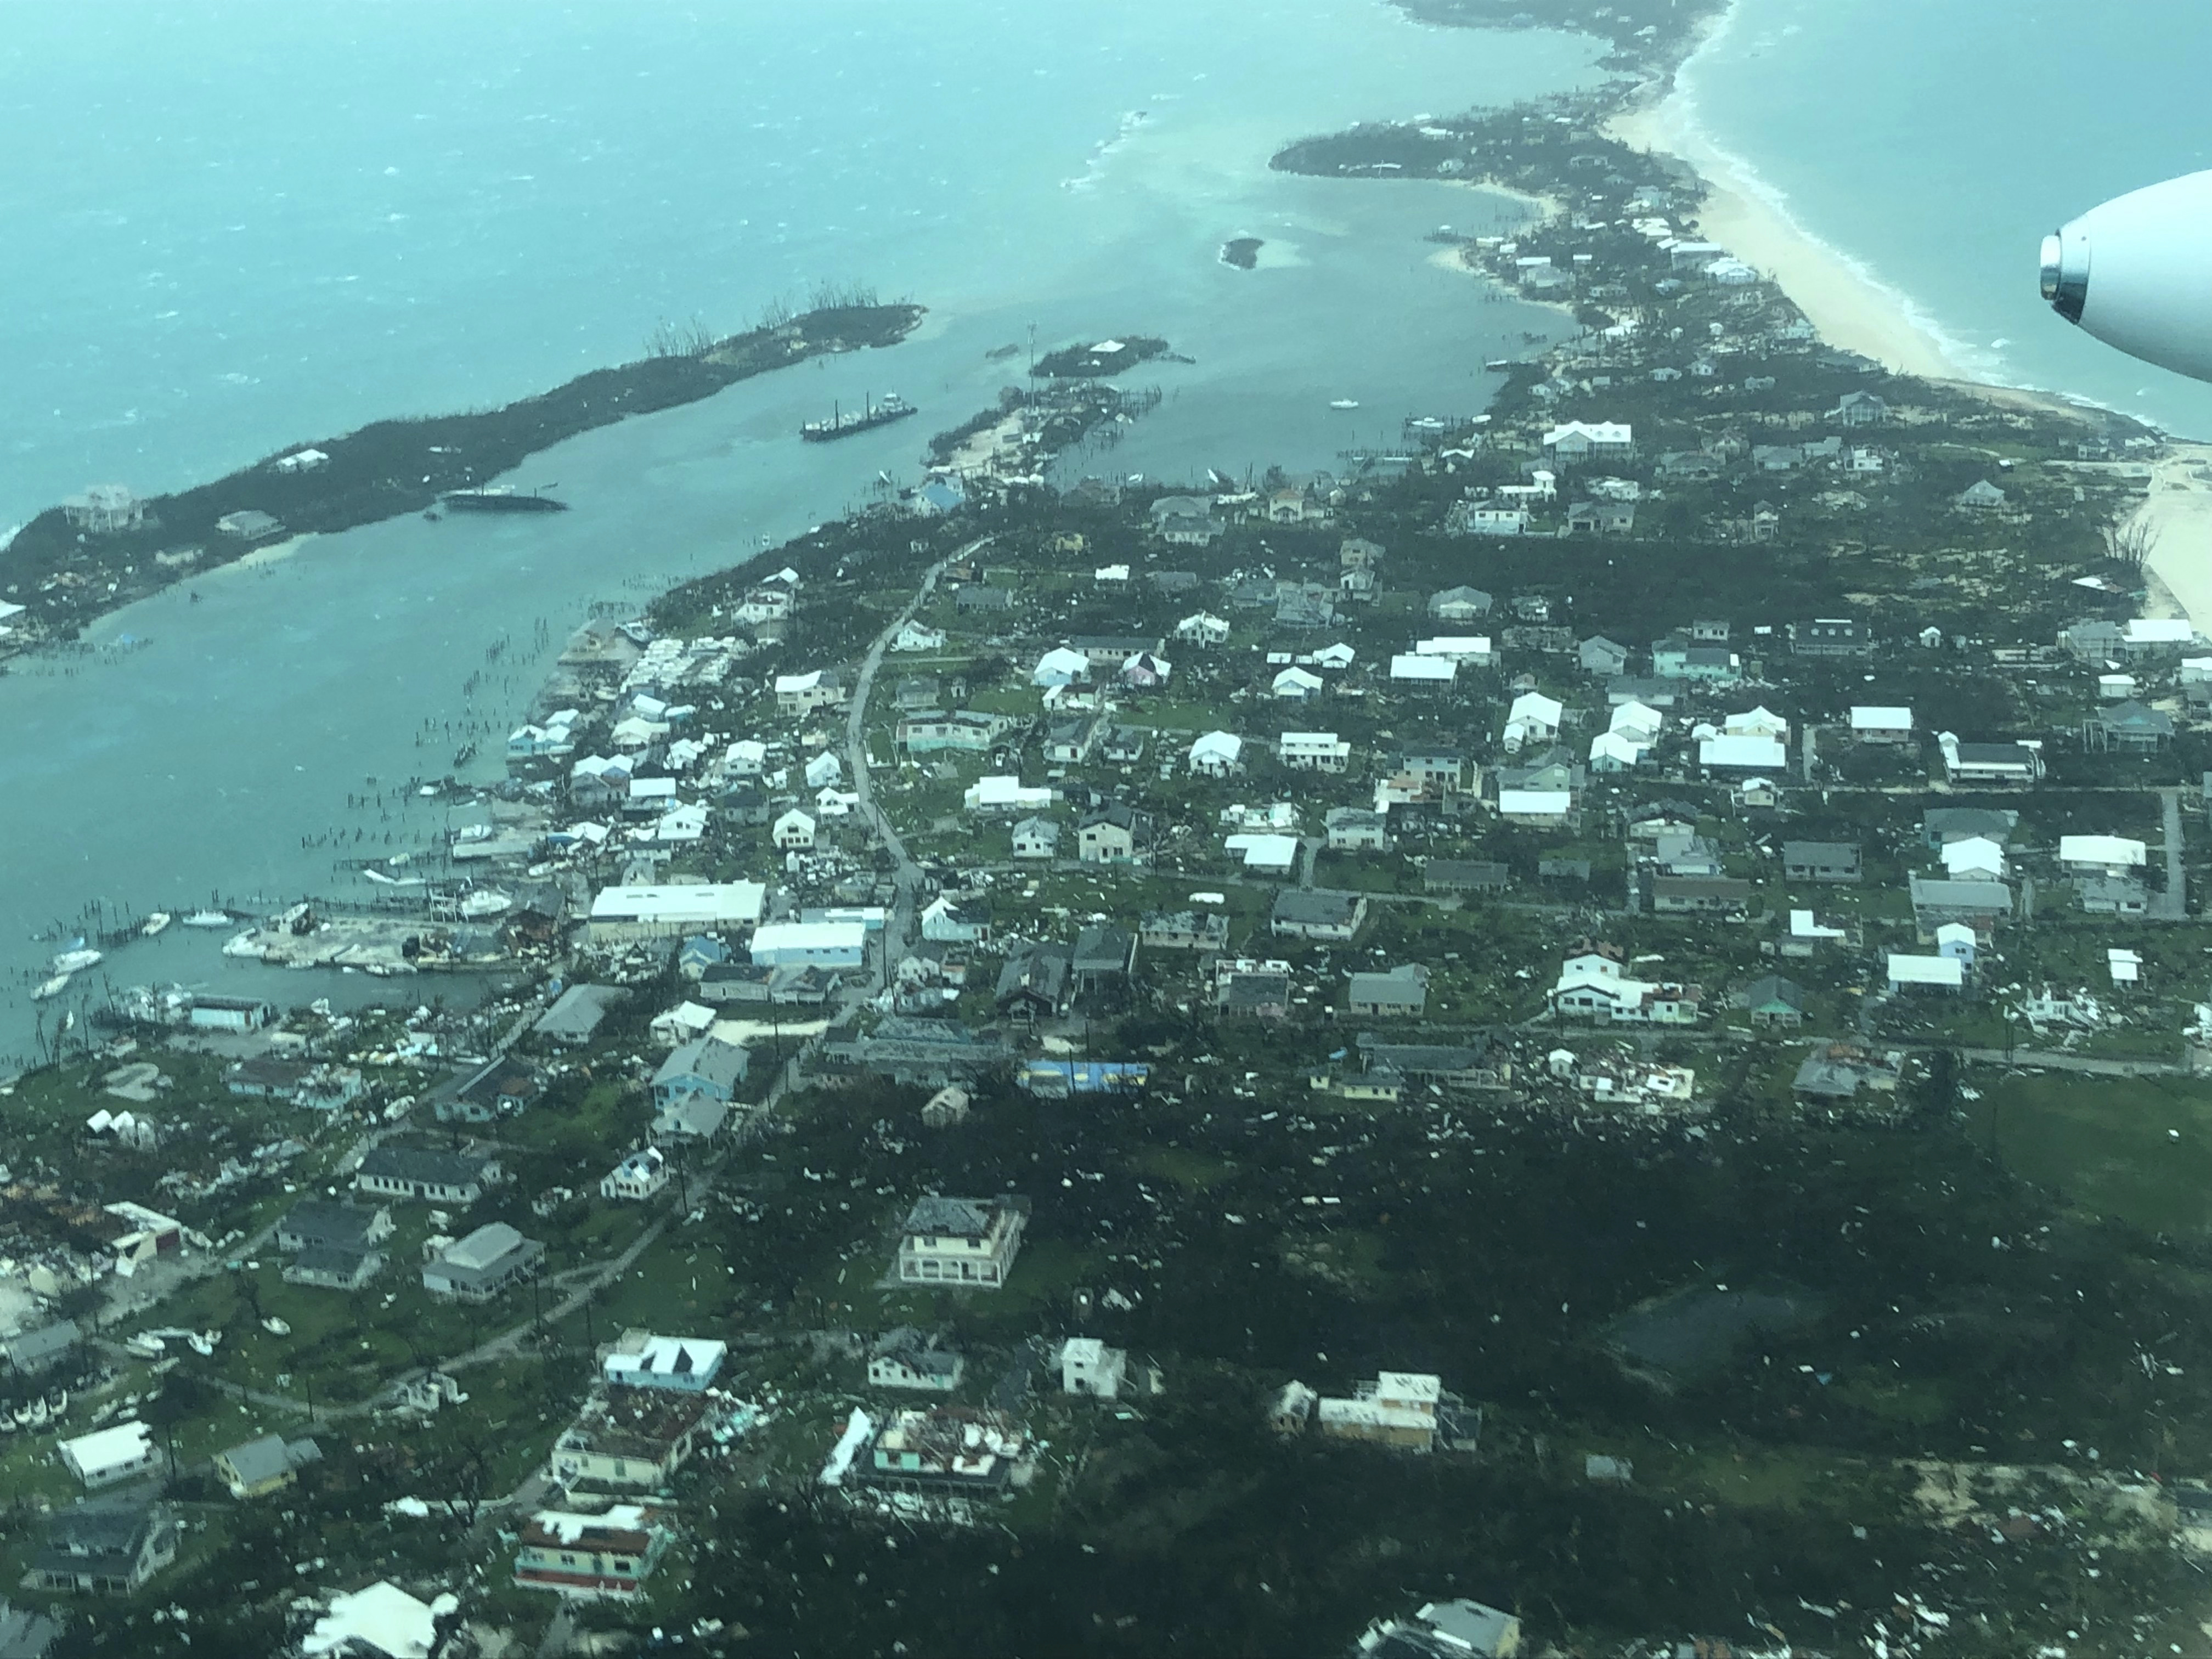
(1935,142)
(232,227)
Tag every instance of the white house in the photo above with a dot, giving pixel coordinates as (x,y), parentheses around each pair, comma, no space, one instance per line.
(1036,838)
(637,1177)
(1743,754)
(1273,855)
(1088,1366)
(915,636)
(1060,666)
(1338,656)
(1005,794)
(1583,440)
(1536,808)
(2099,855)
(1533,718)
(1931,973)
(1616,751)
(967,1242)
(824,769)
(1460,647)
(107,1455)
(816,944)
(1760,722)
(1975,858)
(1216,755)
(1958,941)
(795,828)
(802,694)
(950,921)
(1410,668)
(1297,685)
(1875,724)
(1592,984)
(1313,751)
(1203,628)
(1636,721)
(1498,521)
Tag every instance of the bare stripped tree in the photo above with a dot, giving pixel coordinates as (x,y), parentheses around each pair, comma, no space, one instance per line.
(2131,542)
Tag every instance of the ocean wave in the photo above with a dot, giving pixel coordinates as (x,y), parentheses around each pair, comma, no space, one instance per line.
(1104,151)
(1974,361)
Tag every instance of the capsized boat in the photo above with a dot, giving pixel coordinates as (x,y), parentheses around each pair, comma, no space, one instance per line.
(208,918)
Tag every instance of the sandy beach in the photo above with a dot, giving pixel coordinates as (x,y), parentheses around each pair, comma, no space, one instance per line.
(2177,516)
(1849,308)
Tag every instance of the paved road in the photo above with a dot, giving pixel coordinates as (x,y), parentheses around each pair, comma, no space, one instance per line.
(2085,1063)
(906,875)
(2172,905)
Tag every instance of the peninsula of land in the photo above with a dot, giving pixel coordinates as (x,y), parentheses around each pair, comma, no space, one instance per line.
(106,548)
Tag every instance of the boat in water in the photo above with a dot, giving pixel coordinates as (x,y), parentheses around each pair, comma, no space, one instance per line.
(52,987)
(1343,403)
(875,413)
(208,918)
(499,498)
(70,961)
(155,923)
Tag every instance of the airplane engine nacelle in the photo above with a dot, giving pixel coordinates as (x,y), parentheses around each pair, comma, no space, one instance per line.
(2138,274)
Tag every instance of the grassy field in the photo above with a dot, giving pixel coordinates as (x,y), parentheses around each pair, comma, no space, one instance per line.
(2136,1150)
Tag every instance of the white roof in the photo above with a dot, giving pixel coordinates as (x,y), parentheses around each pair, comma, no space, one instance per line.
(1761,753)
(659,1357)
(1535,706)
(1926,970)
(487,1244)
(1408,1385)
(1059,661)
(2126,966)
(1954,932)
(798,682)
(1533,803)
(1453,645)
(1615,745)
(1003,792)
(1975,853)
(1295,681)
(1411,665)
(810,936)
(570,1527)
(1224,746)
(1761,721)
(91,1455)
(1868,717)
(1342,655)
(2160,630)
(1598,432)
(1802,925)
(707,905)
(2099,849)
(384,1616)
(1634,716)
(1265,852)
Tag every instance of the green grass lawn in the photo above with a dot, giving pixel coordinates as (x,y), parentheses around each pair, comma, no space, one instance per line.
(2137,1149)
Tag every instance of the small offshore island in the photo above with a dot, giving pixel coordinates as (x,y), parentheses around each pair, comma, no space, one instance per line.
(1580,1038)
(73,562)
